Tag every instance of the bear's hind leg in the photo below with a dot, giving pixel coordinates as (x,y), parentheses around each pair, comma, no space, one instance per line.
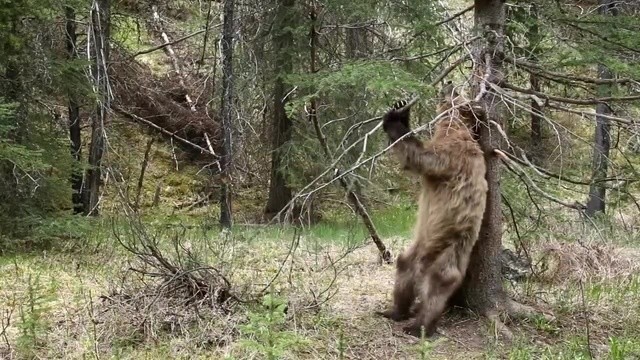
(439,282)
(403,290)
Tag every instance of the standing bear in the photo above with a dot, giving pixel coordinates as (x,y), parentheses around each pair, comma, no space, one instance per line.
(451,167)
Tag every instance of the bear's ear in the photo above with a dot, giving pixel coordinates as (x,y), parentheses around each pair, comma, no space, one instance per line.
(448,91)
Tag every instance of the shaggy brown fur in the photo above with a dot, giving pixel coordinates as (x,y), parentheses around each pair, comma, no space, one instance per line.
(451,205)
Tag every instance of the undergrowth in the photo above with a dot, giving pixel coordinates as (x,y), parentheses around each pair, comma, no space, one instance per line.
(307,294)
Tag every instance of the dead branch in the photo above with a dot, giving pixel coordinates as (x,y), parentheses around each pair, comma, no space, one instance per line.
(593,114)
(539,70)
(162,46)
(593,101)
(449,69)
(172,55)
(518,171)
(172,135)
(455,16)
(307,190)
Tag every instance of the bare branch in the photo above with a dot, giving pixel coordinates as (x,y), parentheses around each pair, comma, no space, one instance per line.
(516,169)
(139,119)
(594,101)
(159,47)
(539,70)
(455,16)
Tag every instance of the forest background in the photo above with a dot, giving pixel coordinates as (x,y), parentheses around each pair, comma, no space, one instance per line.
(184,179)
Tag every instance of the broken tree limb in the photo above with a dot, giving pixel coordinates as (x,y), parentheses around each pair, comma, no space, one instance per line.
(168,49)
(162,46)
(359,208)
(172,135)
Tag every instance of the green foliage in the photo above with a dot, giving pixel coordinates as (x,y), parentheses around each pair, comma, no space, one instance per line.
(33,323)
(265,332)
(35,160)
(33,171)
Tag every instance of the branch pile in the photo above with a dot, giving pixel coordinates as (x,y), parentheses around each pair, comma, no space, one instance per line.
(159,104)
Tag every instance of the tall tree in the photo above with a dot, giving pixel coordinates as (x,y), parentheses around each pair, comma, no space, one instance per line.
(227,98)
(602,137)
(482,290)
(99,49)
(279,191)
(74,114)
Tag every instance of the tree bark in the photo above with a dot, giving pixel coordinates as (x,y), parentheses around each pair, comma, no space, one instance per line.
(227,98)
(602,137)
(482,289)
(74,115)
(99,40)
(533,37)
(279,191)
(168,49)
(143,169)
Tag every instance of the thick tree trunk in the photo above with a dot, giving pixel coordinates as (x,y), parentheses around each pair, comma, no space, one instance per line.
(602,140)
(100,18)
(482,290)
(227,98)
(74,116)
(279,191)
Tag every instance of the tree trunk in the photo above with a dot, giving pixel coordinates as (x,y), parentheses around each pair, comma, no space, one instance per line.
(482,290)
(602,140)
(99,41)
(74,116)
(533,37)
(279,191)
(536,154)
(227,98)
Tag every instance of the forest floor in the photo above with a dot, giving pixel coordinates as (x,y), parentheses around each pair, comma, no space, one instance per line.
(87,302)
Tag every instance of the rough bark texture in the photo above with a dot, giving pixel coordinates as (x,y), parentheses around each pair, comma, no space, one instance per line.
(602,140)
(279,191)
(74,116)
(100,18)
(227,98)
(482,290)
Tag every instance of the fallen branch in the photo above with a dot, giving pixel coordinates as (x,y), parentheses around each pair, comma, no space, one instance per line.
(353,197)
(172,135)
(155,48)
(172,55)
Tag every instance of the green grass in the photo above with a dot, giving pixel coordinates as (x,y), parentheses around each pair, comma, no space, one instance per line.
(68,319)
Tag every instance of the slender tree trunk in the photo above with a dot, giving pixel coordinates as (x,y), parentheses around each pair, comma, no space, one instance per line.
(602,139)
(227,98)
(74,116)
(536,154)
(143,170)
(533,37)
(279,190)
(482,290)
(99,41)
